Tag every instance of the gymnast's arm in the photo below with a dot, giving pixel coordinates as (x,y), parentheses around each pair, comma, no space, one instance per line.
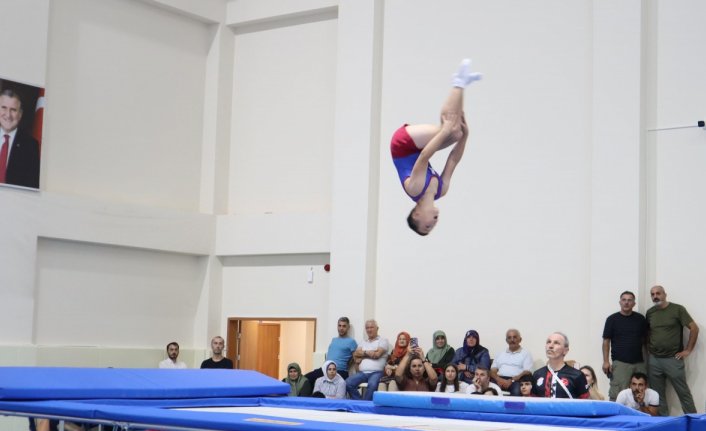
(454,158)
(401,367)
(417,179)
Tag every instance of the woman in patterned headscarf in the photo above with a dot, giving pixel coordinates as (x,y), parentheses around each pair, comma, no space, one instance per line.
(299,385)
(387,382)
(470,355)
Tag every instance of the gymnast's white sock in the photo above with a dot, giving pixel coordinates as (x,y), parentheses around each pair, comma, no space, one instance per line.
(463,77)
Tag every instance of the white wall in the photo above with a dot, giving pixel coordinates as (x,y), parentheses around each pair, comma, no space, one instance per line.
(676,185)
(514,228)
(112,213)
(25,37)
(124,103)
(280,290)
(282,119)
(279,200)
(96,295)
(561,202)
(617,163)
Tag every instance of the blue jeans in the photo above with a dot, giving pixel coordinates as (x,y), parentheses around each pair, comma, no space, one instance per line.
(514,388)
(353,381)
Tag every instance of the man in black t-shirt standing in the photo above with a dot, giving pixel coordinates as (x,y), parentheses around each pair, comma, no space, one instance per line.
(217,360)
(557,379)
(624,337)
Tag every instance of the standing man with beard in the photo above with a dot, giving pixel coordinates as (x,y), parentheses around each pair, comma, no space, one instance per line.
(217,360)
(557,379)
(666,321)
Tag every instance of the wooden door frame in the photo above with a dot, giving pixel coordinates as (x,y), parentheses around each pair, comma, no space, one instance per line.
(234,324)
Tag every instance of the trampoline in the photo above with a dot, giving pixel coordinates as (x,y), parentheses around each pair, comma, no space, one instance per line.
(133,399)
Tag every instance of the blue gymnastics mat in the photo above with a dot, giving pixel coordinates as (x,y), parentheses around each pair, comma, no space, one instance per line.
(249,401)
(306,415)
(64,383)
(508,405)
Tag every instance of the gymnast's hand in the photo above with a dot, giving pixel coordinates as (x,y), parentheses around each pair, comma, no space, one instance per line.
(464,127)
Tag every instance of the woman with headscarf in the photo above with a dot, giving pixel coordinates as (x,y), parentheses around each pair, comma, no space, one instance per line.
(470,355)
(441,353)
(387,382)
(299,385)
(331,384)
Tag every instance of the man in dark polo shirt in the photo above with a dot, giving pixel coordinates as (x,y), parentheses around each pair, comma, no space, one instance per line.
(624,337)
(666,321)
(217,360)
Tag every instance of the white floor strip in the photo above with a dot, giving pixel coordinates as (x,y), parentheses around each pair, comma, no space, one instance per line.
(271,414)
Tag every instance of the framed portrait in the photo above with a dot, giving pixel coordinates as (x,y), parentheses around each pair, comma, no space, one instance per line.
(21,122)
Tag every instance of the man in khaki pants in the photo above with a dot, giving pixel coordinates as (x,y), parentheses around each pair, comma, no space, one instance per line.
(624,337)
(666,347)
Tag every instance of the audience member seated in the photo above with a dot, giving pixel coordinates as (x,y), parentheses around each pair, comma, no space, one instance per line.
(526,386)
(441,354)
(510,365)
(449,381)
(491,392)
(558,379)
(639,396)
(470,355)
(172,357)
(217,360)
(331,384)
(593,392)
(415,373)
(481,382)
(371,356)
(340,350)
(387,382)
(299,385)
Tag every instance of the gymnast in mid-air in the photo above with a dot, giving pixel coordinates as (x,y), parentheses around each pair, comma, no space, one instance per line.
(413,145)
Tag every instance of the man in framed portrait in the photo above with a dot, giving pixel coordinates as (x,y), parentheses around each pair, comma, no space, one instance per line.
(19,151)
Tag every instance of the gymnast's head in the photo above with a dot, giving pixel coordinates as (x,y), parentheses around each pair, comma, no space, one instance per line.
(423,219)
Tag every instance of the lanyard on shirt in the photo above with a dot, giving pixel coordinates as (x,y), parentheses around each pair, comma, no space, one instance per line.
(556,379)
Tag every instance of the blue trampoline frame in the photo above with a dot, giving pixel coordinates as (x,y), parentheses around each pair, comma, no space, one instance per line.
(146,398)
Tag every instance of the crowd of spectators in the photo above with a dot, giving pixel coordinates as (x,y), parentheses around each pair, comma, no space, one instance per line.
(357,370)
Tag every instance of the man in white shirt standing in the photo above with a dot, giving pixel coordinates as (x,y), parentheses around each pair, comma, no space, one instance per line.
(173,354)
(638,396)
(371,356)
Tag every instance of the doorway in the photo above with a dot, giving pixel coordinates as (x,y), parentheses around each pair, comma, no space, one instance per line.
(268,345)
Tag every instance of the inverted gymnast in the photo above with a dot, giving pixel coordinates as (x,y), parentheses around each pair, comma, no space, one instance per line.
(413,145)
